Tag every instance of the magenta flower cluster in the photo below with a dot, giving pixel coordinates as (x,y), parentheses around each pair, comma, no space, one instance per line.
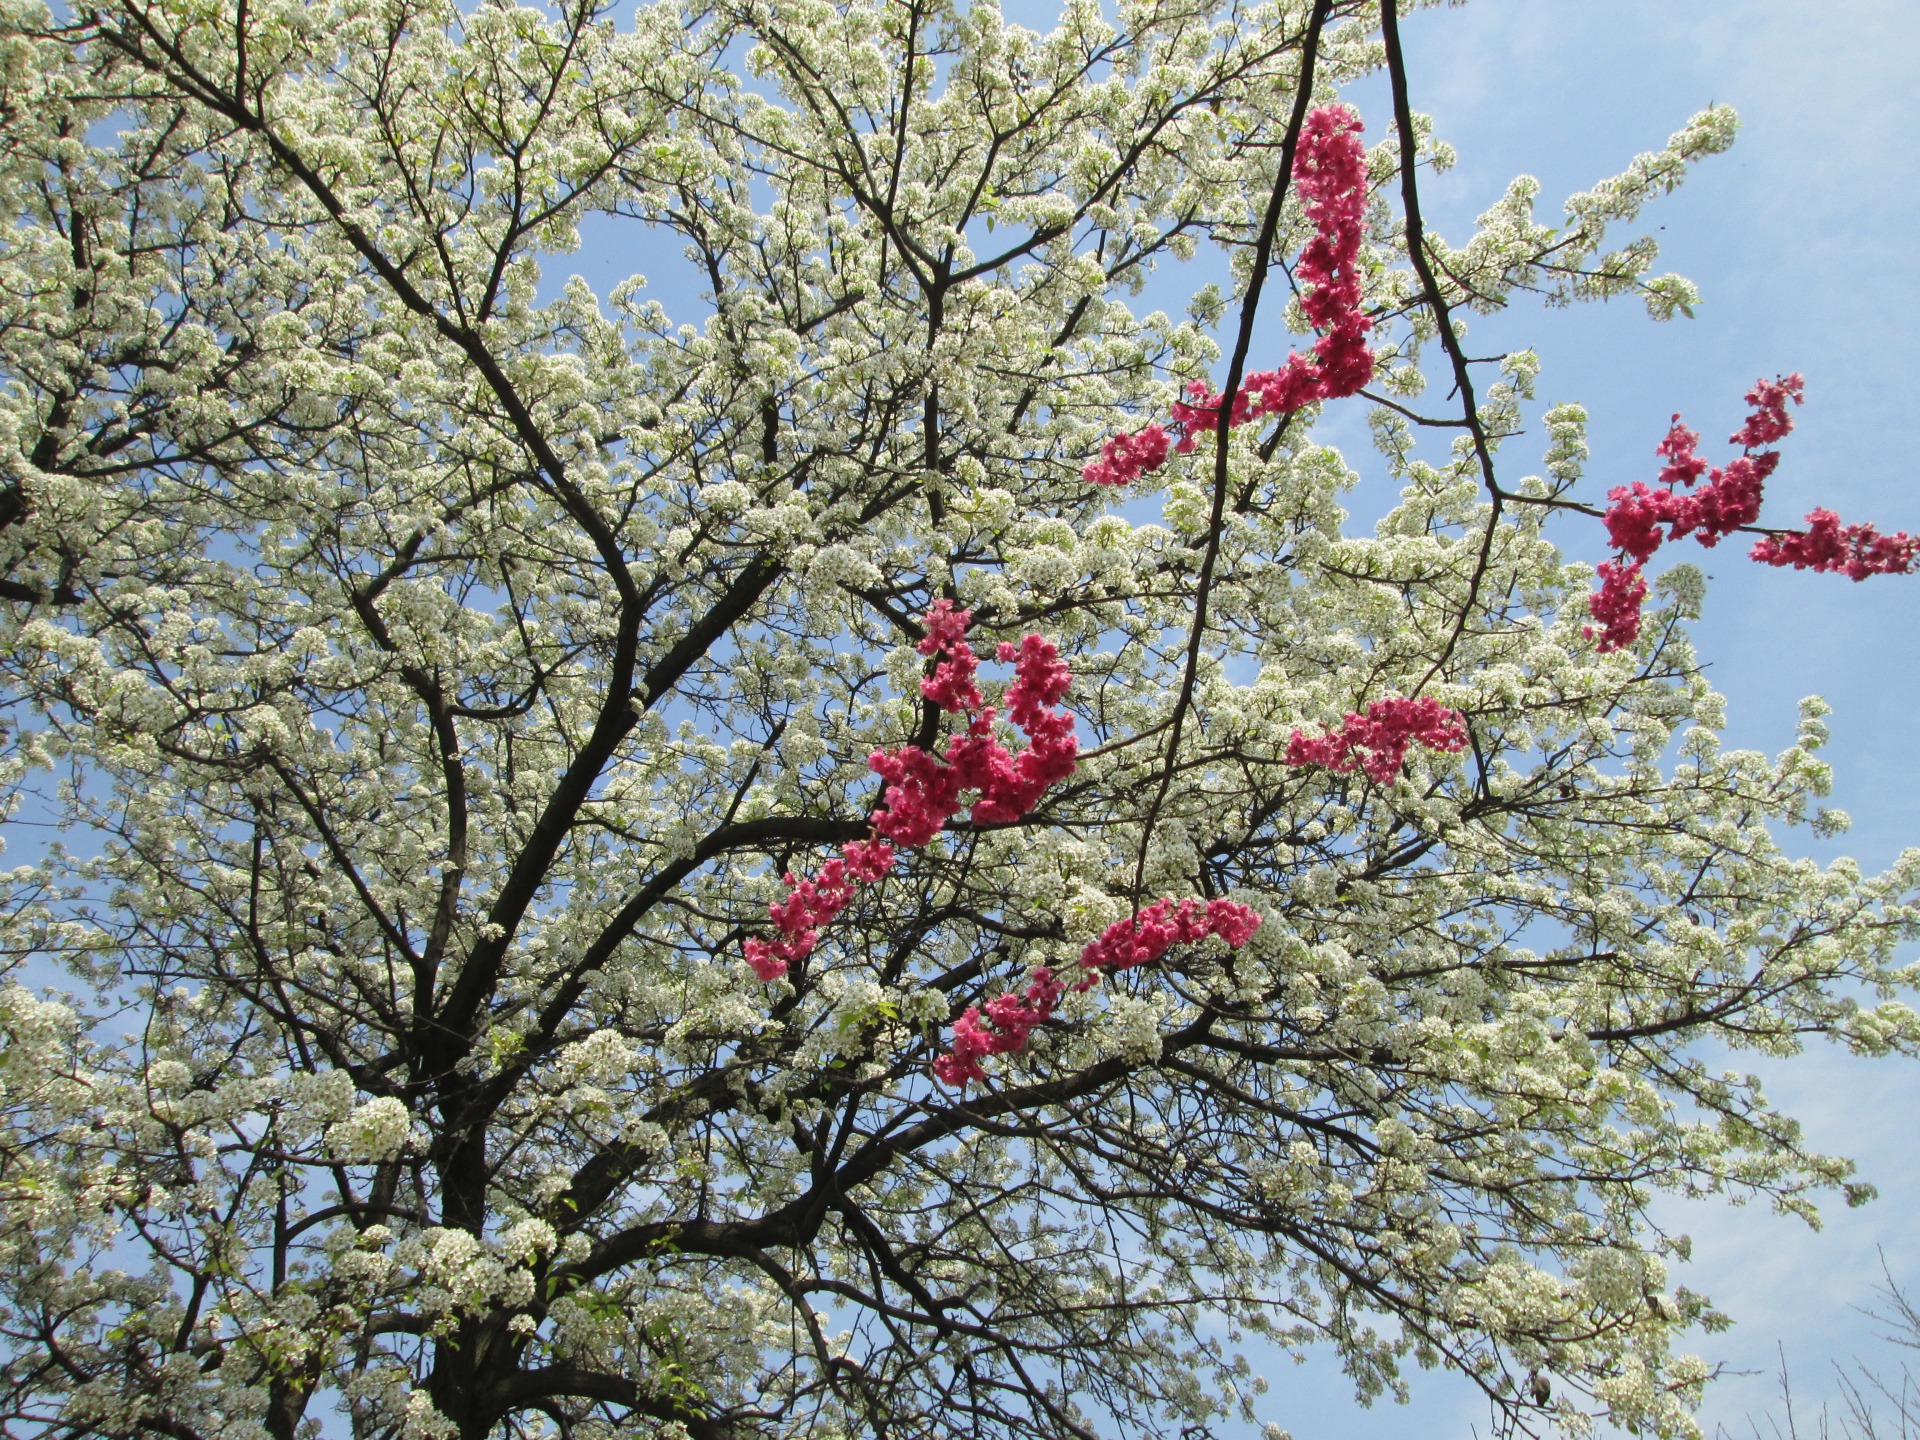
(924,792)
(1009,1019)
(1331,171)
(1641,518)
(1855,551)
(1377,741)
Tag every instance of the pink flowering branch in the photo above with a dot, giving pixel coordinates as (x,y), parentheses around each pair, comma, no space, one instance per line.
(1855,551)
(1377,741)
(1640,518)
(1009,1020)
(1616,605)
(924,792)
(1330,169)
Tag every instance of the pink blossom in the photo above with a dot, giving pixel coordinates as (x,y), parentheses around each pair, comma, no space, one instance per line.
(1330,169)
(921,795)
(1126,456)
(868,860)
(809,905)
(1683,465)
(769,961)
(1729,499)
(1617,605)
(1769,420)
(923,791)
(1377,740)
(1147,936)
(1011,1018)
(951,686)
(1640,518)
(1635,516)
(1856,551)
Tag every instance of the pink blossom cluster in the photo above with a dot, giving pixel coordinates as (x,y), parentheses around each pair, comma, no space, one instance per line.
(1162,925)
(1331,171)
(1377,740)
(924,792)
(1125,458)
(1010,1019)
(1856,551)
(1616,605)
(951,686)
(810,904)
(1640,518)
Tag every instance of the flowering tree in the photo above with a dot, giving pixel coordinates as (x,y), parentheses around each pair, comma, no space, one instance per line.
(884,863)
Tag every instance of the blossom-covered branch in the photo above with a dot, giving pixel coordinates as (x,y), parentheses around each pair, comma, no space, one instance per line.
(1855,551)
(924,791)
(1331,172)
(1377,740)
(1640,518)
(1010,1019)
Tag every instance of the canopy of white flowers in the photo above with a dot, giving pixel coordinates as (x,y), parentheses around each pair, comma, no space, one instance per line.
(439,672)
